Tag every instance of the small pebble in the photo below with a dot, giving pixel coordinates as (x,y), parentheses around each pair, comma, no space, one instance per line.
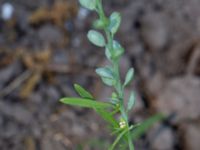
(161,138)
(192,136)
(7,11)
(82,14)
(69,26)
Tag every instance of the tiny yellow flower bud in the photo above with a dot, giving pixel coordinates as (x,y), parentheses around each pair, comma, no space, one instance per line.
(122,124)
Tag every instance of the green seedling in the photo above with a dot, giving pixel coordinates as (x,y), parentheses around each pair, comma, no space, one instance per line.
(110,75)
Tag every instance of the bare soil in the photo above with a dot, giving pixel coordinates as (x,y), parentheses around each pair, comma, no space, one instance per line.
(44,51)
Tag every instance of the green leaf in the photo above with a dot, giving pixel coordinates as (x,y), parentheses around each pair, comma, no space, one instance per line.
(118,49)
(143,127)
(82,102)
(96,38)
(131,101)
(105,72)
(106,75)
(115,20)
(129,77)
(82,92)
(89,4)
(108,117)
(108,81)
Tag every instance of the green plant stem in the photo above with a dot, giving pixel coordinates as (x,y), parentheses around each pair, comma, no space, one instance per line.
(118,86)
(118,139)
(120,90)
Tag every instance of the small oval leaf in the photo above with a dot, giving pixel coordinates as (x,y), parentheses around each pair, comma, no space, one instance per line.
(108,81)
(131,101)
(82,92)
(118,49)
(96,38)
(129,77)
(115,20)
(89,4)
(105,72)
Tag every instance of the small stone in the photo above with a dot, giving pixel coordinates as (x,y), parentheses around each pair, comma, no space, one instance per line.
(29,143)
(161,138)
(52,94)
(17,112)
(49,34)
(49,143)
(180,97)
(192,136)
(7,73)
(7,11)
(154,31)
(78,130)
(10,130)
(82,14)
(46,144)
